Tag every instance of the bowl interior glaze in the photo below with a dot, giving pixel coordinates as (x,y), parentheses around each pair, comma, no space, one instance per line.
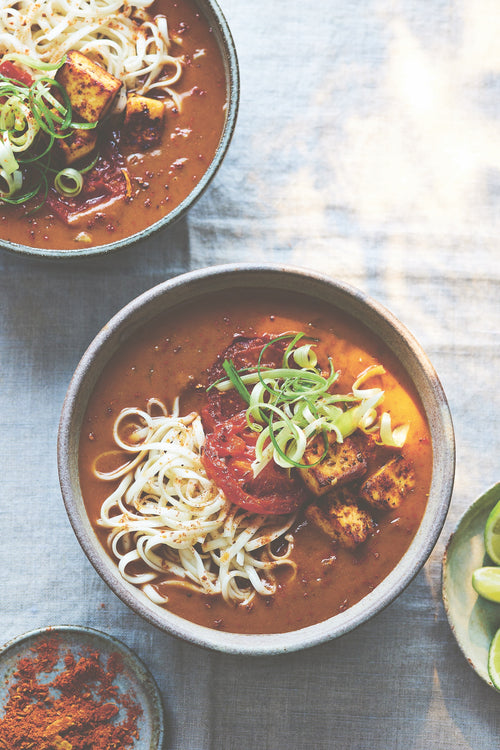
(375,318)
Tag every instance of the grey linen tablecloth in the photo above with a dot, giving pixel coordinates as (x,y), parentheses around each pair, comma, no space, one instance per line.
(367,148)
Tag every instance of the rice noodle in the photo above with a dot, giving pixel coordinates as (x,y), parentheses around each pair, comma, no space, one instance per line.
(167,514)
(123,38)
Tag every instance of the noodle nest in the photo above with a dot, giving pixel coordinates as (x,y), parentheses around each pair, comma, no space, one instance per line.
(123,38)
(167,515)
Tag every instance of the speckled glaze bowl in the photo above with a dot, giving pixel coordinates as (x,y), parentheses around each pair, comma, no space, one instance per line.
(220,28)
(375,318)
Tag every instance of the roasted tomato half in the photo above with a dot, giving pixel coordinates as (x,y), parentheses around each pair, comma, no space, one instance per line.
(228,454)
(244,353)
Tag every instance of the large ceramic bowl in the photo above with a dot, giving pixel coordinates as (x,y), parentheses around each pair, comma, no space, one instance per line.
(219,27)
(376,319)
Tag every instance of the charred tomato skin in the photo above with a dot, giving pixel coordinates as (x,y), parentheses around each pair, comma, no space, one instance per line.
(227,457)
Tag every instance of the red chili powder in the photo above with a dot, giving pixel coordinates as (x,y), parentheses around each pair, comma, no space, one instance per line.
(75,710)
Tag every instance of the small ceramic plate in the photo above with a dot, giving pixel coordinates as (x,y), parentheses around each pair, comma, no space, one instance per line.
(473,620)
(134,678)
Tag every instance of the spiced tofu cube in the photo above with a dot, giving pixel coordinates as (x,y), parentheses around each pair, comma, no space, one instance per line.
(339,516)
(387,488)
(79,144)
(90,88)
(342,463)
(144,120)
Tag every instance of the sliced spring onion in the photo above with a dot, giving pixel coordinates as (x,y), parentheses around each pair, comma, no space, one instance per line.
(288,406)
(32,118)
(51,119)
(32,63)
(395,438)
(41,186)
(9,87)
(8,161)
(68,182)
(368,373)
(236,380)
(90,165)
(83,125)
(305,357)
(349,421)
(17,119)
(295,338)
(40,158)
(13,183)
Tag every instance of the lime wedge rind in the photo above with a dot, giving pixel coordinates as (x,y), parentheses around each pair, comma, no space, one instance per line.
(486,583)
(492,534)
(494,661)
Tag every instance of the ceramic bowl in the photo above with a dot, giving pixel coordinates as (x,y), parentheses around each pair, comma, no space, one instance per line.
(216,20)
(373,316)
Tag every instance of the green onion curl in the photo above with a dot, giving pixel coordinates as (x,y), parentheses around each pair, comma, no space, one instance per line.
(31,62)
(68,182)
(289,406)
(12,181)
(18,121)
(32,119)
(235,379)
(8,161)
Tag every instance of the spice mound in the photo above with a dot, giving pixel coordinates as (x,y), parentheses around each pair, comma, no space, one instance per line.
(59,700)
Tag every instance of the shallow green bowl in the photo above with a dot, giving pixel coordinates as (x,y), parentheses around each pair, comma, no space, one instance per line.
(473,620)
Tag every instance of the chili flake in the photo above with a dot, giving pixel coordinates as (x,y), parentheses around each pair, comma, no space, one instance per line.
(77,709)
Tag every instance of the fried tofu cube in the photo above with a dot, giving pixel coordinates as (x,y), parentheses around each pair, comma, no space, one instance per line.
(90,88)
(144,120)
(387,488)
(340,517)
(79,144)
(343,463)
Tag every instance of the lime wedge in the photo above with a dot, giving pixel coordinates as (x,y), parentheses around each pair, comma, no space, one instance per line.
(492,534)
(486,582)
(494,660)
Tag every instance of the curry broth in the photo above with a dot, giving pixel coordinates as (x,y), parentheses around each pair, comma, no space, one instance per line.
(162,177)
(171,357)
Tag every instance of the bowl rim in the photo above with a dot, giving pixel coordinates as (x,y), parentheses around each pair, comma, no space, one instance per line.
(216,18)
(434,402)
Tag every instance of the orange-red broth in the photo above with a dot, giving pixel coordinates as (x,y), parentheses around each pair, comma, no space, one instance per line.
(171,357)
